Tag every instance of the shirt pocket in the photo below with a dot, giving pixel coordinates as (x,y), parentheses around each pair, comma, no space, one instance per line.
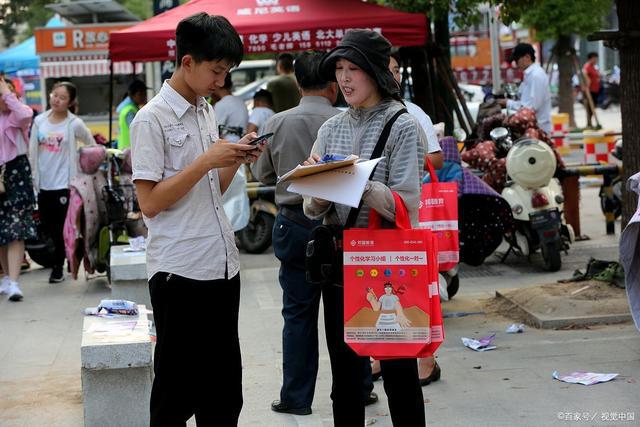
(179,152)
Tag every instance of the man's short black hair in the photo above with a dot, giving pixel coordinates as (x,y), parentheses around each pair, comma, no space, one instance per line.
(264,96)
(286,62)
(306,69)
(136,86)
(208,38)
(592,55)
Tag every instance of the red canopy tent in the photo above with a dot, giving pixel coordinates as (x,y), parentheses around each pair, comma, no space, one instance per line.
(271,26)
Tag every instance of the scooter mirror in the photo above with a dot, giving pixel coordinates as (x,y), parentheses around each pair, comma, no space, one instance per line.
(499,133)
(459,134)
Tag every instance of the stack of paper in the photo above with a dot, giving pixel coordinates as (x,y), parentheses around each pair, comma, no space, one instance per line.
(341,181)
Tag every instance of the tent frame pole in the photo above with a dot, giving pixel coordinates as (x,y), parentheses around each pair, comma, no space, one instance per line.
(110,102)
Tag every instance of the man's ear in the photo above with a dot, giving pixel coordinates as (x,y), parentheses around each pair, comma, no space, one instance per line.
(187,62)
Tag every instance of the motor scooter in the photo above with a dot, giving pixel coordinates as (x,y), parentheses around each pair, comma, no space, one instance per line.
(536,200)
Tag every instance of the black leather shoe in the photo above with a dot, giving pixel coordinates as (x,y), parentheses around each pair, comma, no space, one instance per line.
(283,408)
(433,376)
(373,398)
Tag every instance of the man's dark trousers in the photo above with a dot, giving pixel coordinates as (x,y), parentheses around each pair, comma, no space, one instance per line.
(197,362)
(300,304)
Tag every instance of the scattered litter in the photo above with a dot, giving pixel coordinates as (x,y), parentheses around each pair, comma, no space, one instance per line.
(136,244)
(112,308)
(477,367)
(577,291)
(370,421)
(461,314)
(505,379)
(484,344)
(516,328)
(585,378)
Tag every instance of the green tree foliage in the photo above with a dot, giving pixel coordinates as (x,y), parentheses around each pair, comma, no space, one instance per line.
(554,18)
(464,12)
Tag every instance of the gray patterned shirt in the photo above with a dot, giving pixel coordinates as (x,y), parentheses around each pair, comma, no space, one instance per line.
(356,131)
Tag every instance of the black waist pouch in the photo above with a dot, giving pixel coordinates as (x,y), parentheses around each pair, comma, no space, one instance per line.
(323,257)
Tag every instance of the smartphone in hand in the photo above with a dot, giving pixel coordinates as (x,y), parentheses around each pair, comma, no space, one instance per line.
(261,139)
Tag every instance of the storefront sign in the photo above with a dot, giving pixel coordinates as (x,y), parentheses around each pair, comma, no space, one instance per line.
(75,39)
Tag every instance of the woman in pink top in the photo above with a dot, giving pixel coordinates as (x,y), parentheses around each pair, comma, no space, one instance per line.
(16,192)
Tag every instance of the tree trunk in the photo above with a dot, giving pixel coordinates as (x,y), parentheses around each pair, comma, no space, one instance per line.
(445,99)
(629,20)
(564,54)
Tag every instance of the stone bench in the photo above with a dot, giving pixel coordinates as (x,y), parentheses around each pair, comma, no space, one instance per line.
(129,276)
(117,373)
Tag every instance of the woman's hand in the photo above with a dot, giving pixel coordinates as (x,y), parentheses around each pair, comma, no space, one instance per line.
(4,87)
(371,296)
(312,160)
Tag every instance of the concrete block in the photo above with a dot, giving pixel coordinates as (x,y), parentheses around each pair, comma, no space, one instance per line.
(116,360)
(117,397)
(129,276)
(128,265)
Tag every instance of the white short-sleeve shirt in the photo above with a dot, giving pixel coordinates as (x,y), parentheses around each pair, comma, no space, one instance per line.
(192,238)
(433,146)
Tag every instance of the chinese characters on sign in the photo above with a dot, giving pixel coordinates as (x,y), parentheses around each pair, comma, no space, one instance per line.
(295,40)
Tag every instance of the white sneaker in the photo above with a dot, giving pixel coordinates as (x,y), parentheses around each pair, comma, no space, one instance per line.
(15,294)
(4,285)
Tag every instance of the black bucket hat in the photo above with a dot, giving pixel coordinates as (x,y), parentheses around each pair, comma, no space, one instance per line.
(368,50)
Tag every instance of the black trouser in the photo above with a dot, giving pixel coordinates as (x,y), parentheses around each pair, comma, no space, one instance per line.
(197,357)
(53,205)
(400,376)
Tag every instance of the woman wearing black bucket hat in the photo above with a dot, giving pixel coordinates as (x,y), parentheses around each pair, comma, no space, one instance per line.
(360,66)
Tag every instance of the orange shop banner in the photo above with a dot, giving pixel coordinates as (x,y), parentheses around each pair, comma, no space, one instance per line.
(80,38)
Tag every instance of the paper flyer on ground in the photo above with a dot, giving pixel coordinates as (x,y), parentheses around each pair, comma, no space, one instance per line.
(343,185)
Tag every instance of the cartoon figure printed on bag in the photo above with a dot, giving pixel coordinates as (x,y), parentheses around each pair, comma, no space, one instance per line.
(392,317)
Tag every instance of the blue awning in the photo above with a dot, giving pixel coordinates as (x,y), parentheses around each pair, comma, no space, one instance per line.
(23,56)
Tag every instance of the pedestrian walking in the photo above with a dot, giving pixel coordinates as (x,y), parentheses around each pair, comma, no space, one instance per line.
(16,190)
(284,88)
(53,153)
(592,76)
(534,90)
(360,65)
(181,169)
(295,131)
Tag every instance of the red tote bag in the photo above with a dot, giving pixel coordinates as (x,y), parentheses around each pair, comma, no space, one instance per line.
(439,213)
(387,309)
(437,326)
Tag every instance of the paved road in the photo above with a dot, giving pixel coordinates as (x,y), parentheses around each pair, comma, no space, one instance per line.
(40,356)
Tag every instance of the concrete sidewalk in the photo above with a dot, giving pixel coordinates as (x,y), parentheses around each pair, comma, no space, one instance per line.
(512,385)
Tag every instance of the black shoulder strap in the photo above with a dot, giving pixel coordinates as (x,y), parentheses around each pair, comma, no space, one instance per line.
(377,151)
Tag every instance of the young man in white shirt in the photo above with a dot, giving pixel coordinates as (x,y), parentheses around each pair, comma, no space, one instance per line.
(534,90)
(181,169)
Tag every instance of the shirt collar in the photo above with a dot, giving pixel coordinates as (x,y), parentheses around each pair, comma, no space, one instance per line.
(314,99)
(530,69)
(178,104)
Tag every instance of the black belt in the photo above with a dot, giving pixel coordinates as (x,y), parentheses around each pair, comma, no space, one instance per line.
(297,216)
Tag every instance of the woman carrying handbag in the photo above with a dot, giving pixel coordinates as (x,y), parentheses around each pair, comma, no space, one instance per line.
(375,125)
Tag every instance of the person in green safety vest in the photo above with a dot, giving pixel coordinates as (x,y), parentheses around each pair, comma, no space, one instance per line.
(138,97)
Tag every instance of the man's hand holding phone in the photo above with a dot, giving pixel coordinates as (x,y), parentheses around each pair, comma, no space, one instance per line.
(257,143)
